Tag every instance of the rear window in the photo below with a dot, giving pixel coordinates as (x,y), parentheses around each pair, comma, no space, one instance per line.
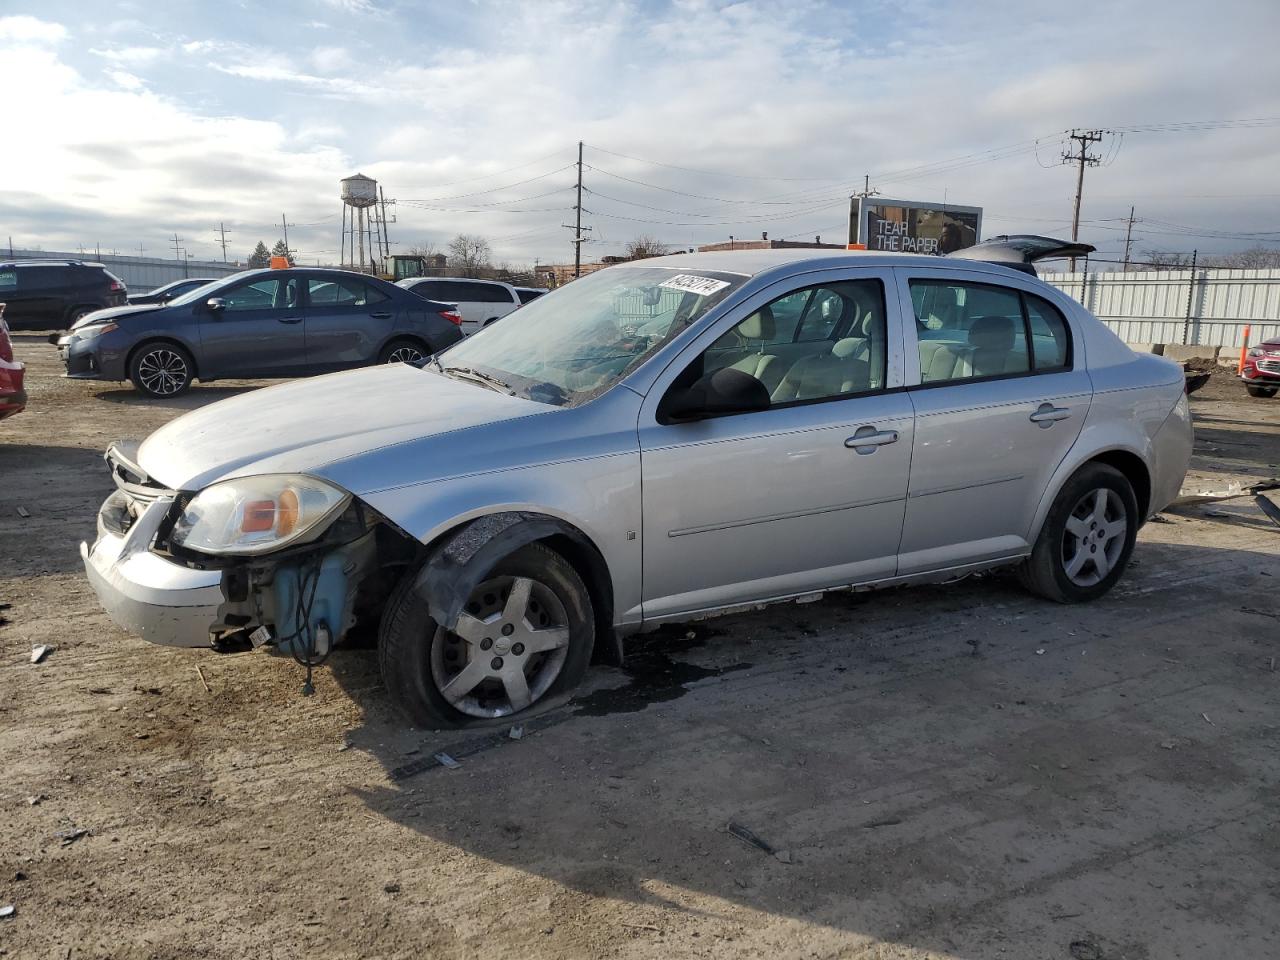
(527,295)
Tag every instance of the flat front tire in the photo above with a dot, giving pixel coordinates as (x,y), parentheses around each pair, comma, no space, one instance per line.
(1087,538)
(523,640)
(161,370)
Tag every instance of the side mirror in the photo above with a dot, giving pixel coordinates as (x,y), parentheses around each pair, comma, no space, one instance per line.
(722,392)
(216,304)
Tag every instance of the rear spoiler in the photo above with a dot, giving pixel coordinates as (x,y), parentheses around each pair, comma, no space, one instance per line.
(1019,252)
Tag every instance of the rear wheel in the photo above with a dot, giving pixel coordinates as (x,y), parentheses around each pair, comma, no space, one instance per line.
(161,369)
(77,314)
(1261,391)
(402,351)
(1086,539)
(523,639)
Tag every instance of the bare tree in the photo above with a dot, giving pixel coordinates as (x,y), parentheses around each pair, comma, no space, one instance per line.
(424,248)
(645,246)
(1255,258)
(469,255)
(1162,260)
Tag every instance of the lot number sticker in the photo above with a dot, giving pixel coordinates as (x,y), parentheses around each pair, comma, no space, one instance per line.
(703,286)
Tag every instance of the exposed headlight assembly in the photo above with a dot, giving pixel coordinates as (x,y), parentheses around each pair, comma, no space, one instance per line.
(94,329)
(256,515)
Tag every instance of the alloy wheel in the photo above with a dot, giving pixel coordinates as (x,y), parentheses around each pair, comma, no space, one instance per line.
(508,648)
(405,354)
(1095,535)
(163,372)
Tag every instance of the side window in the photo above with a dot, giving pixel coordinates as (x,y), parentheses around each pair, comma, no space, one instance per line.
(1050,341)
(373,295)
(819,343)
(968,330)
(324,291)
(8,280)
(267,294)
(486,293)
(433,290)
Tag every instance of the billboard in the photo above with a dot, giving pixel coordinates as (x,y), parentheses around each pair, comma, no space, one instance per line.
(904,226)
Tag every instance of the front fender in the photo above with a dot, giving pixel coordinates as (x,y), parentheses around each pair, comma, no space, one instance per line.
(460,561)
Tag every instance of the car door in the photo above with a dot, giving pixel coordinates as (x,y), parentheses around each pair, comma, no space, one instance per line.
(786,500)
(999,399)
(38,296)
(347,321)
(257,333)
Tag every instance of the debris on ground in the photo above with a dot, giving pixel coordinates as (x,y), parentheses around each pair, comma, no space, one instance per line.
(1267,507)
(7,911)
(1085,950)
(35,799)
(68,837)
(40,651)
(447,761)
(24,513)
(516,732)
(886,822)
(391,887)
(748,837)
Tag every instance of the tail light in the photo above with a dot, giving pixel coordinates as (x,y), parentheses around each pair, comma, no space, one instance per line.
(117,286)
(6,345)
(453,316)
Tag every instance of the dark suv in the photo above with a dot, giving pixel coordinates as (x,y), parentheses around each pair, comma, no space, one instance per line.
(54,294)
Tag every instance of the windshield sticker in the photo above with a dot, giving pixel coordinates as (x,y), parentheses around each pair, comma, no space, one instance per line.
(703,286)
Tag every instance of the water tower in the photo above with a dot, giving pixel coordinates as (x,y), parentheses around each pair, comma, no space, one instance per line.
(362,224)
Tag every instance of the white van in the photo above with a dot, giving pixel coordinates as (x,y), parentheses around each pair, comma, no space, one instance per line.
(480,302)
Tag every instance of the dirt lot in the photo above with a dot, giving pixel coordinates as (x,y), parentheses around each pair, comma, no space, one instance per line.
(959,771)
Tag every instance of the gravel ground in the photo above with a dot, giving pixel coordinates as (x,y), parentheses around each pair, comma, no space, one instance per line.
(959,771)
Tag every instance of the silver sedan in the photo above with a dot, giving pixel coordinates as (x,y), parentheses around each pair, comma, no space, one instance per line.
(656,441)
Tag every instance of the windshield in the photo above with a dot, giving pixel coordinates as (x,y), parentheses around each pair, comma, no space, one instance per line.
(204,290)
(576,342)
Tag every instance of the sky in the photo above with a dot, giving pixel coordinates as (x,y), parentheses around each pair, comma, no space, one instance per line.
(129,123)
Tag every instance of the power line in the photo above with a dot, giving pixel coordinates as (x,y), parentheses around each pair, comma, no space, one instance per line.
(709,173)
(505,186)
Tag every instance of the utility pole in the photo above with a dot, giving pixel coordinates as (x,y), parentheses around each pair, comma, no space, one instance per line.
(177,251)
(222,232)
(285,227)
(142,251)
(1083,158)
(1128,240)
(578,239)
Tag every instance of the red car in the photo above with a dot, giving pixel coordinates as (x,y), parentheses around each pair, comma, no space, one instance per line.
(1261,373)
(13,399)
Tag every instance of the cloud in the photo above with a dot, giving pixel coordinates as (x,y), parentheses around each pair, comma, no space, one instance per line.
(26,29)
(447,104)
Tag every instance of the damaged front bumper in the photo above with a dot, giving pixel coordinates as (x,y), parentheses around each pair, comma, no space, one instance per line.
(146,594)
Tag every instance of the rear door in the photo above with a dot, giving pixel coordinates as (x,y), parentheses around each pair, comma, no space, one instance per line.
(258,334)
(347,321)
(36,295)
(999,397)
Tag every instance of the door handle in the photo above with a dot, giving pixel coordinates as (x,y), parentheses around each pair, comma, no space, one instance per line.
(288,320)
(866,439)
(380,316)
(1047,415)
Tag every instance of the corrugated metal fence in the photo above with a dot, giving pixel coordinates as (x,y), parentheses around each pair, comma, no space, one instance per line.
(140,274)
(1206,307)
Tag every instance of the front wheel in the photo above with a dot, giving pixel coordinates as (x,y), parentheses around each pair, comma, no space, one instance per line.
(524,638)
(402,351)
(1260,391)
(1086,539)
(161,370)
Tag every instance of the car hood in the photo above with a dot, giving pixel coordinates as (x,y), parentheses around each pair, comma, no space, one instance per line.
(114,313)
(307,425)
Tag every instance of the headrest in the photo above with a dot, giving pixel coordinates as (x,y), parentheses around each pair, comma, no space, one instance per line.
(758,326)
(847,347)
(992,333)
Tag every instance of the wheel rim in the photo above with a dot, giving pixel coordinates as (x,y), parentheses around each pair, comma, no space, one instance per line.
(405,354)
(1095,536)
(510,644)
(163,372)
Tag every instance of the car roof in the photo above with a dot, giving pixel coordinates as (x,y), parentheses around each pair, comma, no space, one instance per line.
(50,263)
(752,263)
